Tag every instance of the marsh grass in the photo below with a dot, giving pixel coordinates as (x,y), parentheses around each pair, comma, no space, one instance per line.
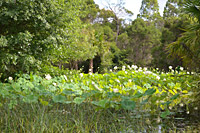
(83,118)
(58,118)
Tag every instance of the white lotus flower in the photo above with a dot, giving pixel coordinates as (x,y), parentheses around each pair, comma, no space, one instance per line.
(10,78)
(134,67)
(81,75)
(170,67)
(65,77)
(93,82)
(117,80)
(115,90)
(157,77)
(147,72)
(54,84)
(154,74)
(115,68)
(48,77)
(140,70)
(181,68)
(129,66)
(123,68)
(181,104)
(145,69)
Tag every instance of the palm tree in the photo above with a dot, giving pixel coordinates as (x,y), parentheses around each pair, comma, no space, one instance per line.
(188,45)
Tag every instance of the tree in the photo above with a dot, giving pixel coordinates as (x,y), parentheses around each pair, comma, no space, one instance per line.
(174,23)
(36,32)
(188,45)
(119,11)
(173,8)
(143,37)
(149,10)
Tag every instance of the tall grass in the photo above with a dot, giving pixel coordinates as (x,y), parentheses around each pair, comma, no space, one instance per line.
(83,118)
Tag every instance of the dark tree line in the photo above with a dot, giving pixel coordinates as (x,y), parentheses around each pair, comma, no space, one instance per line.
(44,35)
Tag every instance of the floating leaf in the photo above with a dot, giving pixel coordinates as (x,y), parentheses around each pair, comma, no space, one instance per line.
(68,102)
(101,103)
(45,103)
(59,99)
(128,104)
(78,100)
(68,92)
(30,99)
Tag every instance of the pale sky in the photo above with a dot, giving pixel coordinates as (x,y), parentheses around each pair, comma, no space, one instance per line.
(133,5)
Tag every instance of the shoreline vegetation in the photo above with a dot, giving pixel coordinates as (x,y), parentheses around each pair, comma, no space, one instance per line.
(66,66)
(130,99)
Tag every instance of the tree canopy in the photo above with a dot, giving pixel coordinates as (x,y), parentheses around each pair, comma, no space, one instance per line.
(40,34)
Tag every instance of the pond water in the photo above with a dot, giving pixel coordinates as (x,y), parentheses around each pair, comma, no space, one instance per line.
(180,122)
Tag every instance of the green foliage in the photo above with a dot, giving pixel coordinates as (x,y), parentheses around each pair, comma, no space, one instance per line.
(187,46)
(129,89)
(35,32)
(173,8)
(144,36)
(149,10)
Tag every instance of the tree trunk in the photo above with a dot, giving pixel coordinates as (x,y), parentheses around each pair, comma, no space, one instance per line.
(76,65)
(91,66)
(60,65)
(117,23)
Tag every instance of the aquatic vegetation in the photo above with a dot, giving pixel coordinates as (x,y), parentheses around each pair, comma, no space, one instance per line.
(139,91)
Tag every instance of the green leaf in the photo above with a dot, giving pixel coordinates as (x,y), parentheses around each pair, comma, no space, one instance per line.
(101,103)
(67,92)
(78,100)
(147,85)
(174,97)
(45,103)
(128,104)
(150,92)
(68,102)
(59,99)
(30,99)
(145,101)
(137,95)
(165,114)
